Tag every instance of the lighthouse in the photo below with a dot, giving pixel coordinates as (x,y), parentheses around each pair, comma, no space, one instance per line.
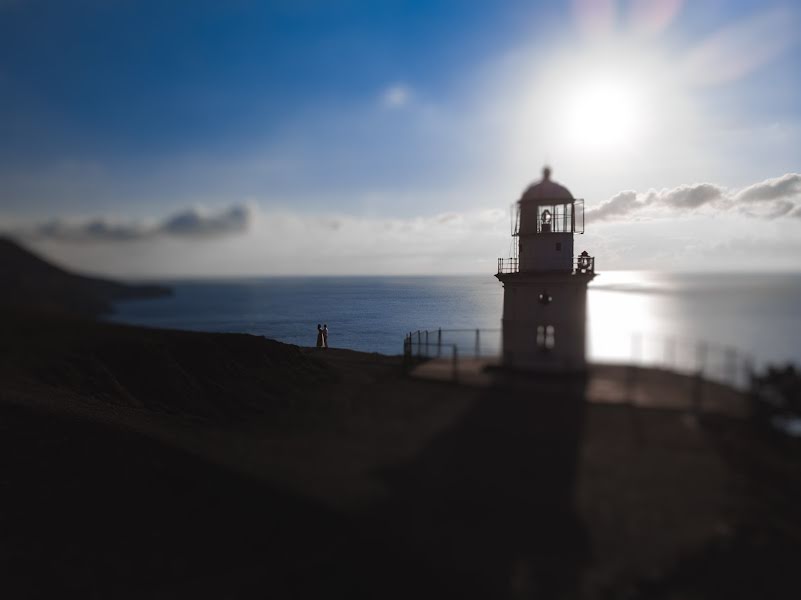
(545,283)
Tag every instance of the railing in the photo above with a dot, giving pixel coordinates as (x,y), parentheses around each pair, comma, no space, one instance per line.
(437,343)
(705,360)
(582,265)
(711,361)
(508,265)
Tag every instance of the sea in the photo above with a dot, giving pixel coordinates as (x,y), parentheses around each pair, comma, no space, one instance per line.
(711,318)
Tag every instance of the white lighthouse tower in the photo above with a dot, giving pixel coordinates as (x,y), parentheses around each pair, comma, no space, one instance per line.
(545,285)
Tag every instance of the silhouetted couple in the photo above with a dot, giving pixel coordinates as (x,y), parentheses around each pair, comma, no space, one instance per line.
(322,336)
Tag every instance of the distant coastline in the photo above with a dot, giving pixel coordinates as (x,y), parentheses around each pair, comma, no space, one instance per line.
(31,283)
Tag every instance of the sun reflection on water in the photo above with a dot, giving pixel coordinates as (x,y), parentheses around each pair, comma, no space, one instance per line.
(618,321)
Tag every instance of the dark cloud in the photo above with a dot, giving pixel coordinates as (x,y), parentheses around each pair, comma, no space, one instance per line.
(191,223)
(447,218)
(769,199)
(96,229)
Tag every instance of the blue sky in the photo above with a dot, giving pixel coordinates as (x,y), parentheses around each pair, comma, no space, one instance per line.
(364,124)
(131,85)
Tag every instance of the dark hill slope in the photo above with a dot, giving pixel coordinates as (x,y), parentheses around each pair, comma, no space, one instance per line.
(217,376)
(28,281)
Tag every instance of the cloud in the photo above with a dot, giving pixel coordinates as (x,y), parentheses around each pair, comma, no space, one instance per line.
(397,95)
(788,185)
(618,205)
(768,199)
(94,230)
(291,242)
(688,196)
(192,223)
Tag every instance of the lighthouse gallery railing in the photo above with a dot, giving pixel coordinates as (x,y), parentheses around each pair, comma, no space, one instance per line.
(581,265)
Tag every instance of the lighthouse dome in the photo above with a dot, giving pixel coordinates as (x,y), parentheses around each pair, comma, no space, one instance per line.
(546,190)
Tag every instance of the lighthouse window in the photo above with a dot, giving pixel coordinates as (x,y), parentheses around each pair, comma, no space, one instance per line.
(558,246)
(550,338)
(546,337)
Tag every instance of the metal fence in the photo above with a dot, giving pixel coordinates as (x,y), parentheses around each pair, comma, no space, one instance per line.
(713,362)
(437,343)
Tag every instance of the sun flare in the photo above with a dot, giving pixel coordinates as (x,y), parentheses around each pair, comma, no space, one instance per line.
(604,113)
(606,104)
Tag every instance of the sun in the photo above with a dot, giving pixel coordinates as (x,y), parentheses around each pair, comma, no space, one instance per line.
(602,113)
(597,107)
(603,104)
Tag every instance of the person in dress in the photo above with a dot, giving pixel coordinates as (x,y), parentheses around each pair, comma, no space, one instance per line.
(325,335)
(319,336)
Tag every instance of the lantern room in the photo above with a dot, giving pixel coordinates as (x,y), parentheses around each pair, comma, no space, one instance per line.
(545,219)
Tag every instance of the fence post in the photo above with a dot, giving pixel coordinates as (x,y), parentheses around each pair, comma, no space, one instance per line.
(419,346)
(455,363)
(731,367)
(700,357)
(478,343)
(698,384)
(636,347)
(439,342)
(748,372)
(427,354)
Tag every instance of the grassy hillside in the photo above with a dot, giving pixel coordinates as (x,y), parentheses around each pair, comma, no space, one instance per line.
(212,376)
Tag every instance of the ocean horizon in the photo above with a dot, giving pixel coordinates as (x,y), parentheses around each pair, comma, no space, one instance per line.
(632,315)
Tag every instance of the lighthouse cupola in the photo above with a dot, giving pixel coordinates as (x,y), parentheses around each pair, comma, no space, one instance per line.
(545,224)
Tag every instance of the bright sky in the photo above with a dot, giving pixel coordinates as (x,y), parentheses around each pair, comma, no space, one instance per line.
(150,138)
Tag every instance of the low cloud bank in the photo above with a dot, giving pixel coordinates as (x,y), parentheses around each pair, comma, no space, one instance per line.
(193,223)
(287,242)
(768,199)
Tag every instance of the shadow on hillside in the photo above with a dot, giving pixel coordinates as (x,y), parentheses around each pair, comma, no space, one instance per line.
(95,510)
(490,503)
(92,511)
